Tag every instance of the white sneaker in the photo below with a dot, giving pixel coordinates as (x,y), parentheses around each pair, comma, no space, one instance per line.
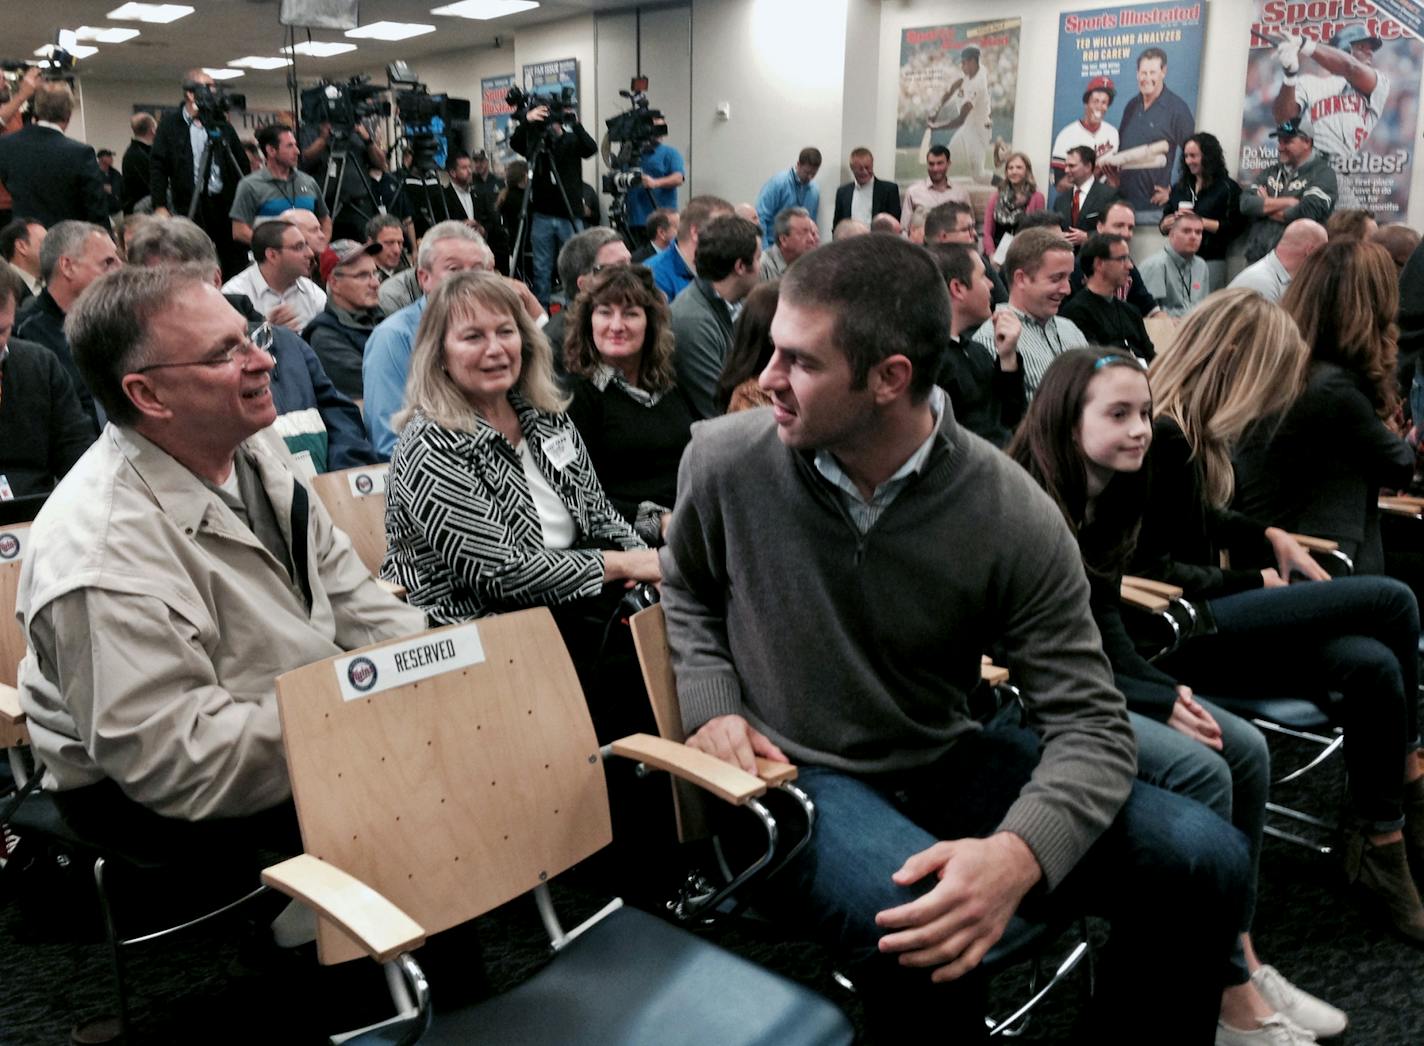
(1303,1009)
(1274,1030)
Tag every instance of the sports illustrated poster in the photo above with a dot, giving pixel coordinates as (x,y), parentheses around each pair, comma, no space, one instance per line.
(957,89)
(1356,81)
(1127,89)
(552,77)
(494,114)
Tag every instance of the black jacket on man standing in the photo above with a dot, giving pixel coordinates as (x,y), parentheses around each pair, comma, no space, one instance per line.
(138,159)
(171,184)
(568,151)
(42,321)
(52,178)
(884,199)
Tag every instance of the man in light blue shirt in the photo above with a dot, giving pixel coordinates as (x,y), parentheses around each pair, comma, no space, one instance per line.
(675,267)
(448,248)
(795,187)
(663,172)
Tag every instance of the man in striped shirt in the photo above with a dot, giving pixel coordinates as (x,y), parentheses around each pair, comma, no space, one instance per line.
(1037,270)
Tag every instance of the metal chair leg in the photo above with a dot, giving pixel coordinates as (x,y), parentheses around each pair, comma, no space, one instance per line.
(116,945)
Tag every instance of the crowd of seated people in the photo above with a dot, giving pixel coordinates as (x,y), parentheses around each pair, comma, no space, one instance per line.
(866,409)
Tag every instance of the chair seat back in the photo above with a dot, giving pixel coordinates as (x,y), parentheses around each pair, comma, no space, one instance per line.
(452,771)
(355,499)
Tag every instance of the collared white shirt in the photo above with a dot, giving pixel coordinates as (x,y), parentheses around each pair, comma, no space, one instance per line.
(465,200)
(862,201)
(1039,343)
(198,138)
(864,512)
(304,296)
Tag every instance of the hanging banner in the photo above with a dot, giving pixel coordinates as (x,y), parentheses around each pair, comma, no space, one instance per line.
(957,89)
(1358,88)
(494,112)
(1127,88)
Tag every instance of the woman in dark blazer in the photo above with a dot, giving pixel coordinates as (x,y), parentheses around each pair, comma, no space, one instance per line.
(1318,468)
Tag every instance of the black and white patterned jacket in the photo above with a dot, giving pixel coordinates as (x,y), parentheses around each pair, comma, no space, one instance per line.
(462,532)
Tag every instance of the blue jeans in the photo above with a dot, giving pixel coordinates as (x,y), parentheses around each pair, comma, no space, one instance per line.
(1233,783)
(1355,636)
(1168,873)
(547,237)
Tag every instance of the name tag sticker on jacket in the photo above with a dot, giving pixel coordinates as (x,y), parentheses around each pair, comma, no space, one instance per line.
(560,450)
(367,482)
(429,655)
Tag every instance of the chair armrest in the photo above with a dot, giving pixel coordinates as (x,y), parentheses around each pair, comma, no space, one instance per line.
(993,674)
(1314,544)
(13,731)
(1144,600)
(378,926)
(1157,588)
(390,586)
(1401,505)
(729,783)
(774,773)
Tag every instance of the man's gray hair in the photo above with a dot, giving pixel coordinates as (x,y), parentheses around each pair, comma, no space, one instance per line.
(65,239)
(171,241)
(449,230)
(108,326)
(782,223)
(578,254)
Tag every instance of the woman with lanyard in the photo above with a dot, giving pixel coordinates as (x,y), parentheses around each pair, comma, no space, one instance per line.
(1210,192)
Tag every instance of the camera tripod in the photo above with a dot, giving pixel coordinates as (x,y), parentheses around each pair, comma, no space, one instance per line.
(213,137)
(406,202)
(541,150)
(337,203)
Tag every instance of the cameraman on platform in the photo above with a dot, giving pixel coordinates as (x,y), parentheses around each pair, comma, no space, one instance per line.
(552,224)
(663,172)
(173,172)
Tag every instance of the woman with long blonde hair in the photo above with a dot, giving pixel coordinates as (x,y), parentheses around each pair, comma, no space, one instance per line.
(1285,629)
(1017,196)
(491,501)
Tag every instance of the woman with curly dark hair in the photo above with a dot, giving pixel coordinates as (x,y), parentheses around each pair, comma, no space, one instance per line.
(1207,189)
(1318,468)
(626,403)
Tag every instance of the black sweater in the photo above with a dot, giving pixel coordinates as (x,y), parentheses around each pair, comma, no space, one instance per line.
(42,321)
(1109,322)
(1318,470)
(987,400)
(43,430)
(1182,536)
(634,449)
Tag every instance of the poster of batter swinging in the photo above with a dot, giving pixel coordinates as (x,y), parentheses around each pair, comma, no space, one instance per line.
(957,89)
(1127,89)
(1353,74)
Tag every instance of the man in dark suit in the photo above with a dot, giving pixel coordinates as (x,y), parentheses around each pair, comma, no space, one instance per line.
(52,177)
(138,160)
(173,174)
(865,195)
(1084,204)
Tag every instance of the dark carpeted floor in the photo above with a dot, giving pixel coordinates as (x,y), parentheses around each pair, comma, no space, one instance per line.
(204,989)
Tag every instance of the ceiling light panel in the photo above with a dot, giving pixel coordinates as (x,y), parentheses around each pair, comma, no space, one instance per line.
(161,14)
(254,61)
(485,9)
(105,34)
(319,49)
(224,74)
(78,51)
(390,31)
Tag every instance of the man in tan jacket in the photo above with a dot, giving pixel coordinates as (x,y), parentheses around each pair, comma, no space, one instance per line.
(178,569)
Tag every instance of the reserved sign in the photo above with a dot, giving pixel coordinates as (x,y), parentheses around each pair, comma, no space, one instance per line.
(362,675)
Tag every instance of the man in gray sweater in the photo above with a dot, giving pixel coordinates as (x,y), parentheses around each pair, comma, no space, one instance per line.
(835,568)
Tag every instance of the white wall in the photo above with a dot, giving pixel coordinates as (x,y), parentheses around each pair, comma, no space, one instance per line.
(781,67)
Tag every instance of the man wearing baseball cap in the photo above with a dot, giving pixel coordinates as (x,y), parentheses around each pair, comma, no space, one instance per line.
(1301,185)
(338,333)
(1341,106)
